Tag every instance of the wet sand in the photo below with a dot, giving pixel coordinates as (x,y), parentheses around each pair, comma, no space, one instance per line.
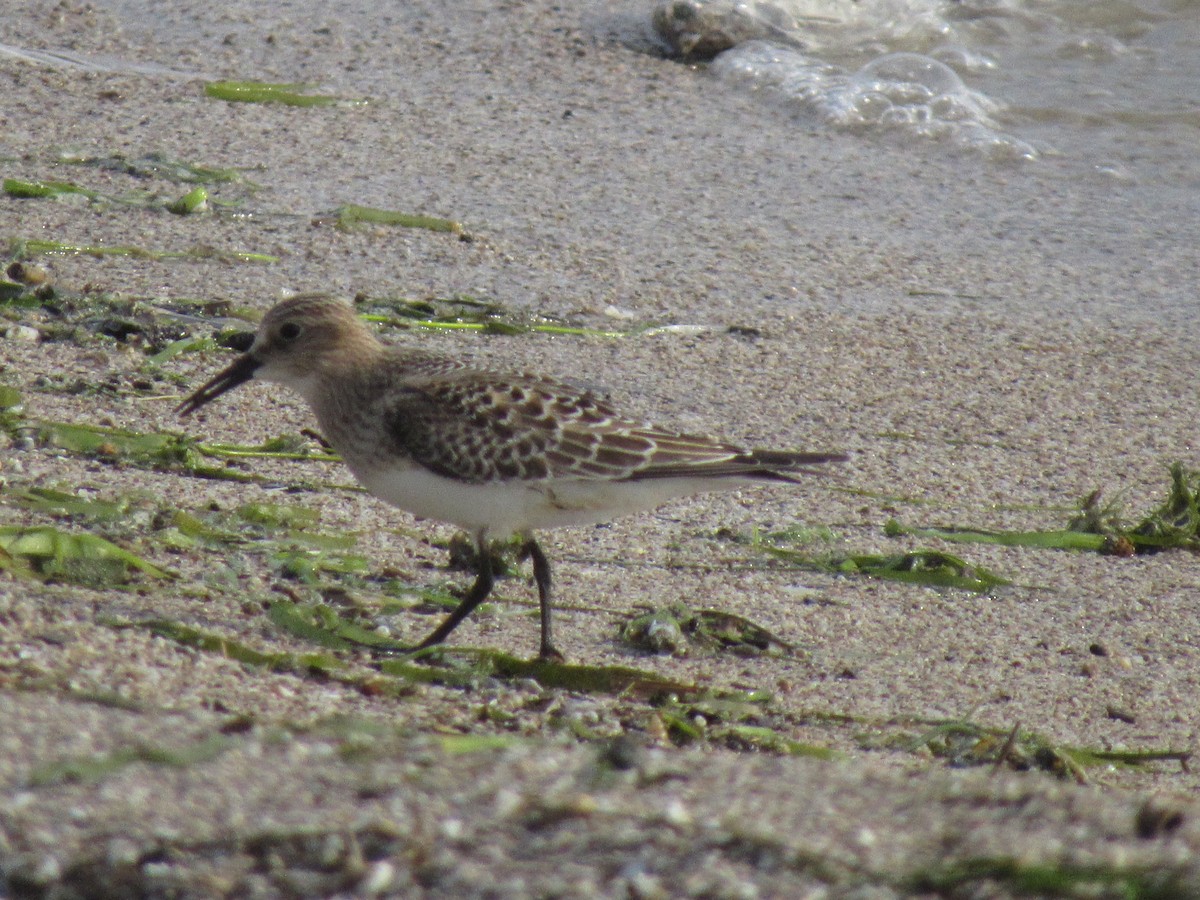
(990,343)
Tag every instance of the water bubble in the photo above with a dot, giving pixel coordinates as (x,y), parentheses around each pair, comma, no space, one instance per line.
(964,60)
(913,72)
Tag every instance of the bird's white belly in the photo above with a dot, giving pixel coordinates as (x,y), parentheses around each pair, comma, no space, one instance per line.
(502,508)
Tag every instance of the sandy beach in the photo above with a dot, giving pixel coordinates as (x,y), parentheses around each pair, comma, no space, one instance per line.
(990,343)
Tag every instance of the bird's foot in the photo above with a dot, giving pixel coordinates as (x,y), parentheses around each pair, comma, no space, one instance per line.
(550,653)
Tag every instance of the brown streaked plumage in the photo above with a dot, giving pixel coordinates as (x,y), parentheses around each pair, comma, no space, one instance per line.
(495,453)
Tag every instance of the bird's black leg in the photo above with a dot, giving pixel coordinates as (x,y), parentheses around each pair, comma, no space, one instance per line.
(484,580)
(541,575)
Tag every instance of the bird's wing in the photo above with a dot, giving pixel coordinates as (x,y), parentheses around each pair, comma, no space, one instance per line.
(478,427)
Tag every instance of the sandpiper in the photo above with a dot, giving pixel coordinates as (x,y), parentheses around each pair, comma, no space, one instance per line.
(494,453)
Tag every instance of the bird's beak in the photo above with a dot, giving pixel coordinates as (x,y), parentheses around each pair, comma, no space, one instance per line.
(241,371)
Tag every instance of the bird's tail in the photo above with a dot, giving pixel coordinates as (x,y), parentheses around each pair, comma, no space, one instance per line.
(782,465)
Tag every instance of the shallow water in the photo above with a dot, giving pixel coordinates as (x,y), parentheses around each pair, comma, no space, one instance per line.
(1097,88)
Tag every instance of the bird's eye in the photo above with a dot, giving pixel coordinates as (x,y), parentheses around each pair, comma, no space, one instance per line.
(289,331)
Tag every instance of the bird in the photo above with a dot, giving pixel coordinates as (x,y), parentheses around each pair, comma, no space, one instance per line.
(495,453)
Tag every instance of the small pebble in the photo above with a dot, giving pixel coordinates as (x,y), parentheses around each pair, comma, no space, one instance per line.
(26,334)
